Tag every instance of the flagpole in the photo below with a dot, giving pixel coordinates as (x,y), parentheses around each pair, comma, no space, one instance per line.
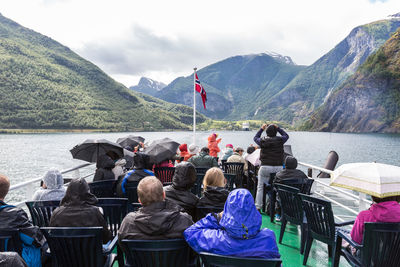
(194,105)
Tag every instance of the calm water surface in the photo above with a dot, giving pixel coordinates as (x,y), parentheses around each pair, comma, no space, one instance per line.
(27,156)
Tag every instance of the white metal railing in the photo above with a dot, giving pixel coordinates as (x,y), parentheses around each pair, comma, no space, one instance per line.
(32,184)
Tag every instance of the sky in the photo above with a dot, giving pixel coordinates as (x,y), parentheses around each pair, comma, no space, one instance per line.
(165,39)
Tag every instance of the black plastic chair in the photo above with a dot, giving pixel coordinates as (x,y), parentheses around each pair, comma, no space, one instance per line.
(10,241)
(165,174)
(292,211)
(103,189)
(321,224)
(41,211)
(201,170)
(156,253)
(78,246)
(381,246)
(237,169)
(230,180)
(303,185)
(201,212)
(131,191)
(214,260)
(197,187)
(114,211)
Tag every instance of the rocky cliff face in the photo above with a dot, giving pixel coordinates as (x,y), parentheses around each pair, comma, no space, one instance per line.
(148,86)
(369,101)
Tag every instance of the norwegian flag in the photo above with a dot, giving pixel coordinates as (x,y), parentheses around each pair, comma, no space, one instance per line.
(200,89)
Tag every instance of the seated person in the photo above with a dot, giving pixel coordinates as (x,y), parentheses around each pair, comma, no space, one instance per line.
(382,210)
(204,160)
(159,218)
(215,193)
(179,192)
(228,152)
(141,169)
(237,156)
(52,187)
(104,167)
(77,209)
(184,153)
(16,218)
(235,231)
(290,172)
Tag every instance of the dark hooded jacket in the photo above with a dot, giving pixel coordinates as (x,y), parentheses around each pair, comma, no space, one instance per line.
(104,167)
(203,160)
(160,220)
(179,192)
(213,196)
(11,259)
(77,209)
(290,172)
(237,233)
(15,218)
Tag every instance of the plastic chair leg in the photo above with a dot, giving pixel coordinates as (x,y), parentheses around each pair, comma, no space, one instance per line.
(283,227)
(303,237)
(307,251)
(337,251)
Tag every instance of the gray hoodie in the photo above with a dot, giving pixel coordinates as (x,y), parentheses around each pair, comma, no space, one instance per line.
(55,187)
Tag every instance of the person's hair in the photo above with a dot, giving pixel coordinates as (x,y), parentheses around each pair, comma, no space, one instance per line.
(4,186)
(205,149)
(379,200)
(150,190)
(251,149)
(214,177)
(238,149)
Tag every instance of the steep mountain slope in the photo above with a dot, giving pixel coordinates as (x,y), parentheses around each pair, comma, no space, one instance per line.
(369,101)
(313,85)
(234,85)
(148,86)
(43,84)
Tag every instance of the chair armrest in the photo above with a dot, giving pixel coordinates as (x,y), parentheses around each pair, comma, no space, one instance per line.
(108,248)
(345,234)
(344,223)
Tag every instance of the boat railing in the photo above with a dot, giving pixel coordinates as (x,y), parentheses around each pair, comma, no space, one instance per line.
(31,185)
(335,195)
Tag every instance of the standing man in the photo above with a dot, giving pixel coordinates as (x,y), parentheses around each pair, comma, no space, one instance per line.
(271,156)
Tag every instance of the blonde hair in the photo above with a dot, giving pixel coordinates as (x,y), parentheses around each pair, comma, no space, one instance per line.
(214,177)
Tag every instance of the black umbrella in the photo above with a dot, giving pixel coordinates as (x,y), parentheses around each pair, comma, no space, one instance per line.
(91,149)
(130,140)
(162,149)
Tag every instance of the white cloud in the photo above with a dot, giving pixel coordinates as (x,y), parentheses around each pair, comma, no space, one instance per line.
(165,39)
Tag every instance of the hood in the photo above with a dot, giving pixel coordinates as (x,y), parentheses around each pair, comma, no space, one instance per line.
(240,218)
(105,162)
(290,162)
(184,176)
(388,211)
(53,179)
(157,218)
(78,193)
(212,138)
(271,130)
(183,148)
(141,161)
(216,194)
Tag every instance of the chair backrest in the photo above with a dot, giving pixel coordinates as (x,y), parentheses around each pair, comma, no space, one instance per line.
(41,211)
(202,170)
(223,161)
(214,260)
(75,246)
(291,206)
(157,253)
(165,174)
(201,212)
(197,187)
(10,240)
(230,180)
(237,169)
(381,244)
(114,211)
(102,189)
(320,218)
(131,191)
(303,185)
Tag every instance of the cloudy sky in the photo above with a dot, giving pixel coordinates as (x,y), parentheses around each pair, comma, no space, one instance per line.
(165,39)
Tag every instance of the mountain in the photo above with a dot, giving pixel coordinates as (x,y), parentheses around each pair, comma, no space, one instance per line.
(43,84)
(148,86)
(235,85)
(312,86)
(369,101)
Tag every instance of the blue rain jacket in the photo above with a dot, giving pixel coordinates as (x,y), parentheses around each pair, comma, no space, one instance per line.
(237,233)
